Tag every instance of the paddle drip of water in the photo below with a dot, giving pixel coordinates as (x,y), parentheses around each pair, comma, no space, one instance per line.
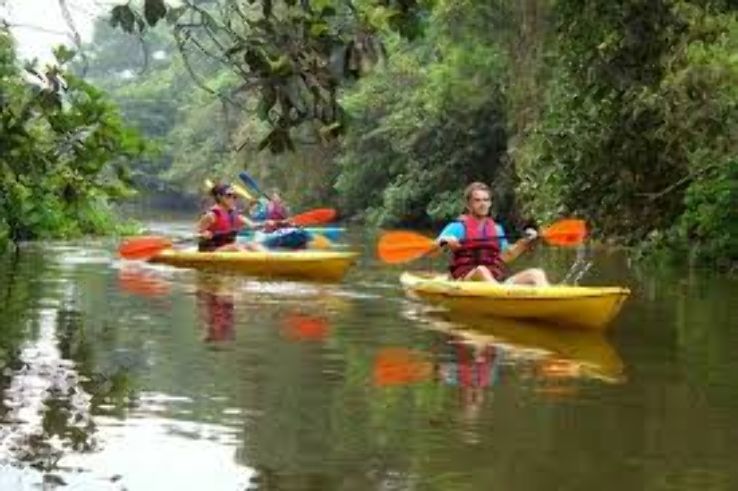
(579,268)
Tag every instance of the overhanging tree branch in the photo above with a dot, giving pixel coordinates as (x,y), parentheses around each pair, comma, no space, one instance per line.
(76,38)
(297,55)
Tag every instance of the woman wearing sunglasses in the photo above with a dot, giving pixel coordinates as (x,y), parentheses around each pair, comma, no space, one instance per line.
(218,228)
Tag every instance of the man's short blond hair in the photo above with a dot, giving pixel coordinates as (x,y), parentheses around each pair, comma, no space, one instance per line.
(476,186)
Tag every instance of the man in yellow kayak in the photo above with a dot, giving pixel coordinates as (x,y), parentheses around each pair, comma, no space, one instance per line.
(219,226)
(479,247)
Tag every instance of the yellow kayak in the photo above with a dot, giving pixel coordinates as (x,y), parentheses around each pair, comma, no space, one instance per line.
(576,306)
(309,265)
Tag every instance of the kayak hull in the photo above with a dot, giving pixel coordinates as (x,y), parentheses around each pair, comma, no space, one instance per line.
(571,306)
(304,265)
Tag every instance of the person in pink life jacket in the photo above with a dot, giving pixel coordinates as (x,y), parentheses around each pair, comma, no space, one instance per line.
(478,245)
(276,208)
(219,226)
(276,213)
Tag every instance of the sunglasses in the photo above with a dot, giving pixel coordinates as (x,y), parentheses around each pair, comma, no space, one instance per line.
(230,195)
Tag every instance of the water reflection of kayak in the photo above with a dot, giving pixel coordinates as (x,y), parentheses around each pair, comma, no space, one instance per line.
(568,352)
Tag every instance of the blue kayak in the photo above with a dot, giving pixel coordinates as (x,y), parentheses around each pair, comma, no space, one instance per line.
(284,238)
(331,233)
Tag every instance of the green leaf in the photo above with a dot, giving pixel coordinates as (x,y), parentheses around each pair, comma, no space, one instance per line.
(256,60)
(154,10)
(280,67)
(263,143)
(317,29)
(123,16)
(289,144)
(268,99)
(174,14)
(63,54)
(266,7)
(321,5)
(235,49)
(379,17)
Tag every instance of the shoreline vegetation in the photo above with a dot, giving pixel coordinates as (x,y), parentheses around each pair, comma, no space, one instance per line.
(64,152)
(624,115)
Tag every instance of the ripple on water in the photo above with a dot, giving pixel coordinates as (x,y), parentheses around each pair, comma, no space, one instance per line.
(70,257)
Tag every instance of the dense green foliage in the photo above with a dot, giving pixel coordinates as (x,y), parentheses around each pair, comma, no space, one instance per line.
(640,128)
(428,124)
(624,114)
(63,153)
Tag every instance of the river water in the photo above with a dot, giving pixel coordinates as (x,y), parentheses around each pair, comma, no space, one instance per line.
(122,375)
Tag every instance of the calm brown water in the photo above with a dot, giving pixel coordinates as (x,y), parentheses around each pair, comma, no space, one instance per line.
(121,375)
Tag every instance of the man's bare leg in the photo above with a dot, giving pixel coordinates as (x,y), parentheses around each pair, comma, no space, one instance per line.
(533,277)
(480,273)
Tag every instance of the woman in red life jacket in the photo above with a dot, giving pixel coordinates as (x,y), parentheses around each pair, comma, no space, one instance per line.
(218,228)
(479,249)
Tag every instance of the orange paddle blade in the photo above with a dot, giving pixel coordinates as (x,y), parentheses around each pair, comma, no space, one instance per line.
(400,366)
(318,216)
(300,327)
(141,283)
(400,246)
(569,232)
(143,247)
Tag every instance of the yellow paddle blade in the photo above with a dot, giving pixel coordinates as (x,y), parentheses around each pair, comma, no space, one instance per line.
(238,190)
(401,246)
(318,241)
(243,193)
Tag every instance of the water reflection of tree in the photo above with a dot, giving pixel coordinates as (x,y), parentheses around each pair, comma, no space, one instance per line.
(18,295)
(18,302)
(112,388)
(18,298)
(107,349)
(49,379)
(72,389)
